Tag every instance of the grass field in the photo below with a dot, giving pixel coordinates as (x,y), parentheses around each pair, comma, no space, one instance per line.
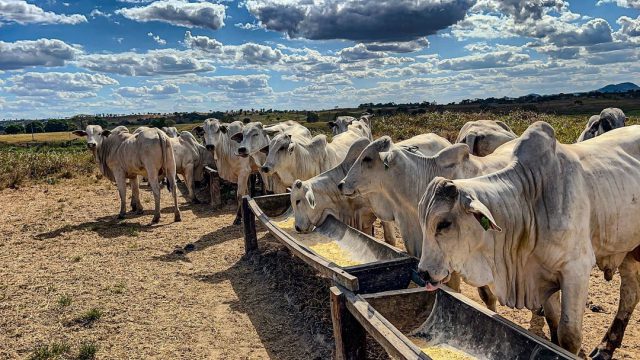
(62,155)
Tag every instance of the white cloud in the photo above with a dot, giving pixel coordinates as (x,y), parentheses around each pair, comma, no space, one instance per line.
(157,91)
(622,3)
(247,26)
(97,13)
(399,46)
(21,12)
(483,61)
(359,52)
(157,39)
(153,62)
(41,52)
(203,43)
(58,84)
(179,13)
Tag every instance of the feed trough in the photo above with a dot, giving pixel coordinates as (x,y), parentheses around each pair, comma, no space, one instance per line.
(349,257)
(417,324)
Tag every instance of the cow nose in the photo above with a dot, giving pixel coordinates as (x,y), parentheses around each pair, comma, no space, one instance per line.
(242,150)
(340,185)
(298,229)
(265,169)
(210,147)
(91,145)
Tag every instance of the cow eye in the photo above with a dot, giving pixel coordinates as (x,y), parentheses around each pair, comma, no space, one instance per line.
(297,202)
(283,148)
(254,135)
(442,225)
(366,159)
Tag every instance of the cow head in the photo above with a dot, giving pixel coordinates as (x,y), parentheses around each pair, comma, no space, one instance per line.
(484,136)
(341,124)
(364,175)
(252,139)
(212,131)
(94,135)
(304,206)
(454,227)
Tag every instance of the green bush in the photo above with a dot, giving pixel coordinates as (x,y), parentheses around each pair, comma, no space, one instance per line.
(312,117)
(14,129)
(57,125)
(34,127)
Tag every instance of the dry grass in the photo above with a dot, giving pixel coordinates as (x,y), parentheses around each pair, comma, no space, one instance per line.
(41,137)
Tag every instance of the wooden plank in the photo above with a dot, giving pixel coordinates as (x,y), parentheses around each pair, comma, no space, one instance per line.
(391,339)
(350,337)
(324,267)
(214,187)
(249,223)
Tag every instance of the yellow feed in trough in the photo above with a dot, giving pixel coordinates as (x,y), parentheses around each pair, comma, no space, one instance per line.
(322,245)
(441,351)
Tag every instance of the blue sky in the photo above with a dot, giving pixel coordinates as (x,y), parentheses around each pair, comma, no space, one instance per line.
(60,58)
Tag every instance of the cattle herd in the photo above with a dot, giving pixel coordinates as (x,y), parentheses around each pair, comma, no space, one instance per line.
(524,219)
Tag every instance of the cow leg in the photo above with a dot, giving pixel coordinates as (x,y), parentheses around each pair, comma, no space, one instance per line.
(389,232)
(155,189)
(552,315)
(171,178)
(136,205)
(629,296)
(243,189)
(488,298)
(574,287)
(121,183)
(188,180)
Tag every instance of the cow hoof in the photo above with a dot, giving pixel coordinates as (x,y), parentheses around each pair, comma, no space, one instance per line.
(177,218)
(237,221)
(155,220)
(600,354)
(121,216)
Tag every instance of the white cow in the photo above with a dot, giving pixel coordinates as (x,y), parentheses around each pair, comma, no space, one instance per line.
(294,157)
(315,199)
(609,119)
(122,155)
(554,212)
(217,138)
(340,124)
(191,158)
(172,132)
(484,136)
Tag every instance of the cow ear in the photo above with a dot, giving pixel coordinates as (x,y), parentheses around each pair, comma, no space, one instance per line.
(504,126)
(265,150)
(291,147)
(331,124)
(270,130)
(452,155)
(481,213)
(387,159)
(383,144)
(311,199)
(105,133)
(199,130)
(237,137)
(298,184)
(606,124)
(223,128)
(79,133)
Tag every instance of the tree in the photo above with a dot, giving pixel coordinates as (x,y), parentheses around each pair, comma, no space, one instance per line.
(57,125)
(98,121)
(14,129)
(34,127)
(312,117)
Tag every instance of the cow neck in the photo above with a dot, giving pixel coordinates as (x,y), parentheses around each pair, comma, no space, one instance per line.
(515,272)
(225,159)
(106,151)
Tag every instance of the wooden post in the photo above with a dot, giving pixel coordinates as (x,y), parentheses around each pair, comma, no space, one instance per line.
(252,184)
(349,335)
(249,223)
(214,187)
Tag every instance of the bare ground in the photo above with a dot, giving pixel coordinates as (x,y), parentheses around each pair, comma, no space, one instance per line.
(62,253)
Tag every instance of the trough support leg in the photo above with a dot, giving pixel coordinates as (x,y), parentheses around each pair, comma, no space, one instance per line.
(249,223)
(252,184)
(349,335)
(214,190)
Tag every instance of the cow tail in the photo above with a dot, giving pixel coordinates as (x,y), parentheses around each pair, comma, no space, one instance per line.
(163,150)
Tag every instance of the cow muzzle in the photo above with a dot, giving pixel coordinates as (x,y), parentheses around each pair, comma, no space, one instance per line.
(346,190)
(242,152)
(210,147)
(429,283)
(91,145)
(265,169)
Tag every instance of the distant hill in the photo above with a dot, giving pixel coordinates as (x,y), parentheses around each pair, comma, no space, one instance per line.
(619,88)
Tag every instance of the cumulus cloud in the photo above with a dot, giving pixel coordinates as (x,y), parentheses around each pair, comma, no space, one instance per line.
(59,84)
(622,3)
(156,91)
(399,47)
(247,26)
(203,43)
(249,53)
(179,13)
(629,27)
(97,13)
(157,39)
(595,31)
(153,62)
(359,52)
(360,20)
(41,52)
(484,61)
(21,12)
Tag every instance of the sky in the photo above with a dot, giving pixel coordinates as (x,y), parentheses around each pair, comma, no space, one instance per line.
(60,58)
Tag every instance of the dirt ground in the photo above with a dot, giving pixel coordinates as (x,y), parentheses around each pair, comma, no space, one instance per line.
(173,290)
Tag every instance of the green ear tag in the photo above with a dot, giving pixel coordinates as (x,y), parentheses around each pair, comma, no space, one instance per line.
(486,224)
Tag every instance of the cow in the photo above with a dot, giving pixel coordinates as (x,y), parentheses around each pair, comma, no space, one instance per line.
(609,119)
(484,136)
(191,158)
(294,157)
(340,124)
(234,169)
(315,199)
(539,225)
(172,132)
(122,155)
